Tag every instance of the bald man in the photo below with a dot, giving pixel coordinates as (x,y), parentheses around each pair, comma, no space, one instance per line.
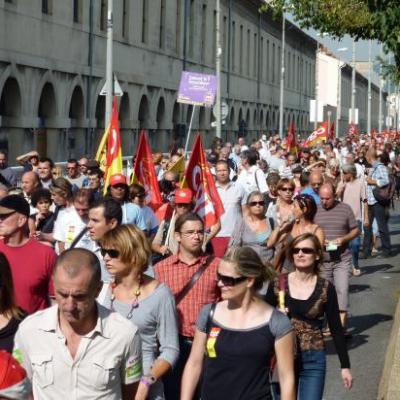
(78,348)
(315,181)
(29,182)
(340,226)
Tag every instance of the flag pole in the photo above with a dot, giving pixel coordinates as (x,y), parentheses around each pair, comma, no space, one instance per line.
(169,230)
(189,130)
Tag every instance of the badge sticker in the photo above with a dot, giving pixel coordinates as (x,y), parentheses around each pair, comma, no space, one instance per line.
(211,341)
(133,368)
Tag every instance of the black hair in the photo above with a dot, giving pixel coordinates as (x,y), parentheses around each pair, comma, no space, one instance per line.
(40,194)
(47,159)
(111,209)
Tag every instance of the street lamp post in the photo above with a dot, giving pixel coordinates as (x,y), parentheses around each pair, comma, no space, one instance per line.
(339,97)
(380,93)
(218,70)
(109,63)
(353,84)
(282,83)
(369,88)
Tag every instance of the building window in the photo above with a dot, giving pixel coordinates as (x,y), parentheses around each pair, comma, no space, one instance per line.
(224,45)
(288,70)
(125,19)
(241,60)
(162,25)
(145,20)
(214,46)
(248,53)
(47,7)
(77,11)
(267,64)
(178,26)
(262,59)
(203,32)
(273,62)
(103,15)
(233,44)
(192,13)
(255,56)
(9,1)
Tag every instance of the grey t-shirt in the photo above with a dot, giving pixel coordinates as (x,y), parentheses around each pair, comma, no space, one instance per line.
(279,323)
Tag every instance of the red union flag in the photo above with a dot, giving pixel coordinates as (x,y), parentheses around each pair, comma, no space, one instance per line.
(199,179)
(113,163)
(321,134)
(291,140)
(144,172)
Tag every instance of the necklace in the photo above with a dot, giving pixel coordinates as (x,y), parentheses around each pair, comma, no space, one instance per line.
(135,302)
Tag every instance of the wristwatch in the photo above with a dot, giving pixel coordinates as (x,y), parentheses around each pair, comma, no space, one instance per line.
(148,380)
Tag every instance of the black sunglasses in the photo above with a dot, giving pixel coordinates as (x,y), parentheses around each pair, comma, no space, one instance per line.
(256,203)
(111,252)
(229,280)
(304,250)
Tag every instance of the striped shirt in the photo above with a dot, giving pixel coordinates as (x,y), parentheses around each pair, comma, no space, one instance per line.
(336,221)
(176,274)
(381,174)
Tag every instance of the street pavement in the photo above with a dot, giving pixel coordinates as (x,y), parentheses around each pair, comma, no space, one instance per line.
(373,299)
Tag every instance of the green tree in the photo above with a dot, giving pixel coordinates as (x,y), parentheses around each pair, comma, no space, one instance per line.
(361,19)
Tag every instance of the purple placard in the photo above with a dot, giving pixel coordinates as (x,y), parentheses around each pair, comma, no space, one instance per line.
(197,89)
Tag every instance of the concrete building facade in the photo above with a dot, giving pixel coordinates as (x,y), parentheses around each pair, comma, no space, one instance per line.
(52,69)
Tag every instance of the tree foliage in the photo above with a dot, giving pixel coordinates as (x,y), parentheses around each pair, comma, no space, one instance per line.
(361,19)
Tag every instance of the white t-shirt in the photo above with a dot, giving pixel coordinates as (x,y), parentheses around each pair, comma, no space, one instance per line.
(67,227)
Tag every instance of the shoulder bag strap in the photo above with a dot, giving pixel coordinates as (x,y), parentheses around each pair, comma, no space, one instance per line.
(210,317)
(195,277)
(79,237)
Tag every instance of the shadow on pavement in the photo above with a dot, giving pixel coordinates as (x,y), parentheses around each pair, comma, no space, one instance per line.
(357,325)
(359,288)
(370,269)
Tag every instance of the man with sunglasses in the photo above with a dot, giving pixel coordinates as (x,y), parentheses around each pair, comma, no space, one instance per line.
(73,174)
(178,272)
(31,262)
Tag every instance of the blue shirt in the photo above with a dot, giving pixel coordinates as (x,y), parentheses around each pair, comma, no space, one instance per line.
(132,214)
(312,193)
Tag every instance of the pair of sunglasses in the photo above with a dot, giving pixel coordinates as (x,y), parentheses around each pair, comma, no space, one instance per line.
(256,203)
(229,280)
(304,250)
(111,252)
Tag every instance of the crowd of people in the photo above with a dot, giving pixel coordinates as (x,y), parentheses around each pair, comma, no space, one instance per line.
(104,297)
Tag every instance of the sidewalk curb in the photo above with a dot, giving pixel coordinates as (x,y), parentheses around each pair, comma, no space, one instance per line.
(389,386)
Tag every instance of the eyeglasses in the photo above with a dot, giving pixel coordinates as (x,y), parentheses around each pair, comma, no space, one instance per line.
(304,250)
(141,196)
(5,216)
(182,204)
(256,203)
(287,189)
(68,168)
(230,280)
(119,186)
(111,252)
(192,233)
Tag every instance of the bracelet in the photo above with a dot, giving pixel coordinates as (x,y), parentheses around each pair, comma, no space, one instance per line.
(148,380)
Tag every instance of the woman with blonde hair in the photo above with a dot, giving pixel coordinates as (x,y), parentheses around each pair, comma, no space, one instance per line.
(308,299)
(147,303)
(236,338)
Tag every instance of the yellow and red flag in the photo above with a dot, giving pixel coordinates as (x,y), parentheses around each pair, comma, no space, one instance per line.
(144,172)
(113,163)
(320,135)
(178,167)
(291,140)
(199,179)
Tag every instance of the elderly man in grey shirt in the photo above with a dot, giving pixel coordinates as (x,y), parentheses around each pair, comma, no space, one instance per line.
(233,197)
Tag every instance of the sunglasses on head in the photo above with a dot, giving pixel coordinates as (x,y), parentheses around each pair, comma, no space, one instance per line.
(256,203)
(111,252)
(229,280)
(304,250)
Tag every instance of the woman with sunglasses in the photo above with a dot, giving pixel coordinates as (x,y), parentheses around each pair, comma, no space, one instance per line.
(236,338)
(282,210)
(304,211)
(308,300)
(147,303)
(254,228)
(137,195)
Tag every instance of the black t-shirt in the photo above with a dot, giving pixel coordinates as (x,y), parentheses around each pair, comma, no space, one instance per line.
(8,332)
(237,361)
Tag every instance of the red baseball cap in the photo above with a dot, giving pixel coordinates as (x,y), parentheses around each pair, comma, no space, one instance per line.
(183,196)
(117,179)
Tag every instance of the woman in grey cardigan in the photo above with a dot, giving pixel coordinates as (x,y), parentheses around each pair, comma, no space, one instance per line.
(146,302)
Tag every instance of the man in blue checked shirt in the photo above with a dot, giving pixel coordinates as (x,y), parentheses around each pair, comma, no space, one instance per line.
(377,177)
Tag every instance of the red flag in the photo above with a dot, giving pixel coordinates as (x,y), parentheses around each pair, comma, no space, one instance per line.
(332,131)
(321,134)
(291,140)
(199,179)
(144,172)
(113,164)
(352,129)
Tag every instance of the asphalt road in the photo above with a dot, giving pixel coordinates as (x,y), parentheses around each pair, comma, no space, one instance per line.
(373,299)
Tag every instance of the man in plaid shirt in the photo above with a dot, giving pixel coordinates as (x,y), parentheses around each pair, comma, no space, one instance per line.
(378,177)
(176,271)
